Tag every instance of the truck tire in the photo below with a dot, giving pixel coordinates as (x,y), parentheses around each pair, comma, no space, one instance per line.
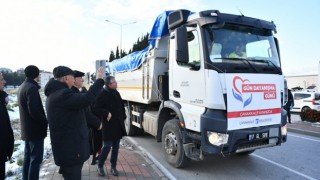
(172,144)
(130,129)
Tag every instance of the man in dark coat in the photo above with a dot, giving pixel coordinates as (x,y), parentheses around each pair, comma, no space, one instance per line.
(67,122)
(6,133)
(94,123)
(109,108)
(33,123)
(289,105)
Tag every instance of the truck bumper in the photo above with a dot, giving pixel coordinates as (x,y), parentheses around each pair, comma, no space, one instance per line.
(239,140)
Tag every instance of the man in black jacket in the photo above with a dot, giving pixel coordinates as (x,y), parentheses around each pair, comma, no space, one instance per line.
(289,105)
(67,122)
(33,123)
(110,108)
(6,133)
(94,123)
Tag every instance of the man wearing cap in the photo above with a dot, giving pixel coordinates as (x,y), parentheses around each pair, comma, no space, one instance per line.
(94,123)
(33,123)
(67,122)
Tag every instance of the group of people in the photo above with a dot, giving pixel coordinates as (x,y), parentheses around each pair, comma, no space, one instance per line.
(71,111)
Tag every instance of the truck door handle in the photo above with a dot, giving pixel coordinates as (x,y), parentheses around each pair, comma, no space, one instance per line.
(176,94)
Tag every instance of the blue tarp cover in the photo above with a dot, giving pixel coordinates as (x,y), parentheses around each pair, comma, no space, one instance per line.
(135,59)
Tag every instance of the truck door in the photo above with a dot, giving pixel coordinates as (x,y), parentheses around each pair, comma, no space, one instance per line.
(187,85)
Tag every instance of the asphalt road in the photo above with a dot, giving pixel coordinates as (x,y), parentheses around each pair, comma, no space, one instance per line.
(299,158)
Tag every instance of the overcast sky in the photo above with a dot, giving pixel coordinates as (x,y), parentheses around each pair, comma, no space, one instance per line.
(74,33)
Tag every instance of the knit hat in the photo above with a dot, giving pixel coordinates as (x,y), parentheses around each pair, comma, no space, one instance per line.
(31,71)
(61,71)
(78,73)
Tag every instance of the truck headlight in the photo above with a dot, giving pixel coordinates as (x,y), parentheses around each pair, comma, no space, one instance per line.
(217,139)
(284,130)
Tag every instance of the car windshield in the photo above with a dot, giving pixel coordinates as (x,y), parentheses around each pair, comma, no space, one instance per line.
(242,43)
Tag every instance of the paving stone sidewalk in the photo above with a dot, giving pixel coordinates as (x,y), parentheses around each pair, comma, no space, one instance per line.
(306,128)
(131,165)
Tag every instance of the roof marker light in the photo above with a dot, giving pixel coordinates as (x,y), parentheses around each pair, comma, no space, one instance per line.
(214,14)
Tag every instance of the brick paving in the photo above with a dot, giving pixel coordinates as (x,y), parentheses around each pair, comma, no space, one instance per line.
(131,165)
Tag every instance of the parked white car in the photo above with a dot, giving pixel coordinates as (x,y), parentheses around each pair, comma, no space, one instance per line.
(304,100)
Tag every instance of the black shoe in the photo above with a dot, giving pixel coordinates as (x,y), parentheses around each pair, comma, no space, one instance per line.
(101,171)
(114,172)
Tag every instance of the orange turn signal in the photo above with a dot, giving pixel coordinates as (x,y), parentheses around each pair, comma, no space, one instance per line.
(182,124)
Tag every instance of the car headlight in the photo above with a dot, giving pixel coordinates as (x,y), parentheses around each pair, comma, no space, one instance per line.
(284,130)
(217,139)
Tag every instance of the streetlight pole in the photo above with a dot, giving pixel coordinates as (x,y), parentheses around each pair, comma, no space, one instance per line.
(120,25)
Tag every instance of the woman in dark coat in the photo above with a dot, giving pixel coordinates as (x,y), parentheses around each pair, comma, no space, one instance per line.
(6,133)
(110,109)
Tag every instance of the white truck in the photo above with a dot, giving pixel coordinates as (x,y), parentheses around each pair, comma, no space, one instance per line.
(190,93)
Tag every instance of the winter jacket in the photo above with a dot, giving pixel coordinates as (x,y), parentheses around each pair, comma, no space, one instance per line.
(6,133)
(67,122)
(92,120)
(290,101)
(109,100)
(33,120)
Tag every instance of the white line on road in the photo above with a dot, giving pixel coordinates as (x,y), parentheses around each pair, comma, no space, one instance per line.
(284,167)
(153,159)
(304,138)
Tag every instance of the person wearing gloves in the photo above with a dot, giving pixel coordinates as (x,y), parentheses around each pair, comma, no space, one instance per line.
(289,105)
(67,121)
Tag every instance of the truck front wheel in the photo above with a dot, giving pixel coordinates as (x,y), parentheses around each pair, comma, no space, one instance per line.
(172,144)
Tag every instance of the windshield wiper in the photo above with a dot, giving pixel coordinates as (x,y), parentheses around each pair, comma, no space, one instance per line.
(244,59)
(268,62)
(257,60)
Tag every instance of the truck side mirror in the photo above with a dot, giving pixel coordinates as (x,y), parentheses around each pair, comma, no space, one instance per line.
(182,53)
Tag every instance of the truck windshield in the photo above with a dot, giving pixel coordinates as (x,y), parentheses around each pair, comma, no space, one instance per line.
(253,46)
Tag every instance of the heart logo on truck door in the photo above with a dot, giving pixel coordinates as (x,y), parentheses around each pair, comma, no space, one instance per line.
(237,91)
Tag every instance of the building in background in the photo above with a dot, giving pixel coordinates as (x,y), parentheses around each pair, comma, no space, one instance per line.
(309,82)
(303,82)
(44,78)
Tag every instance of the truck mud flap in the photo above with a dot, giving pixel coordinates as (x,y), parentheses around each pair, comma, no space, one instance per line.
(193,152)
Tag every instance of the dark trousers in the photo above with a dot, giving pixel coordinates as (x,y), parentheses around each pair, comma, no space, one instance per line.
(33,156)
(71,172)
(288,114)
(96,142)
(2,169)
(105,151)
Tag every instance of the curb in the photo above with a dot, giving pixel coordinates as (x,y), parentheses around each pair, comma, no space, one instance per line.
(304,132)
(157,165)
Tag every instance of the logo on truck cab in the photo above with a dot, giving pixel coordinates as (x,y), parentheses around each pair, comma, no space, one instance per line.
(243,89)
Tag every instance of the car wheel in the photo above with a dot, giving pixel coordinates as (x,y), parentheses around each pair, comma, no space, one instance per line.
(304,109)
